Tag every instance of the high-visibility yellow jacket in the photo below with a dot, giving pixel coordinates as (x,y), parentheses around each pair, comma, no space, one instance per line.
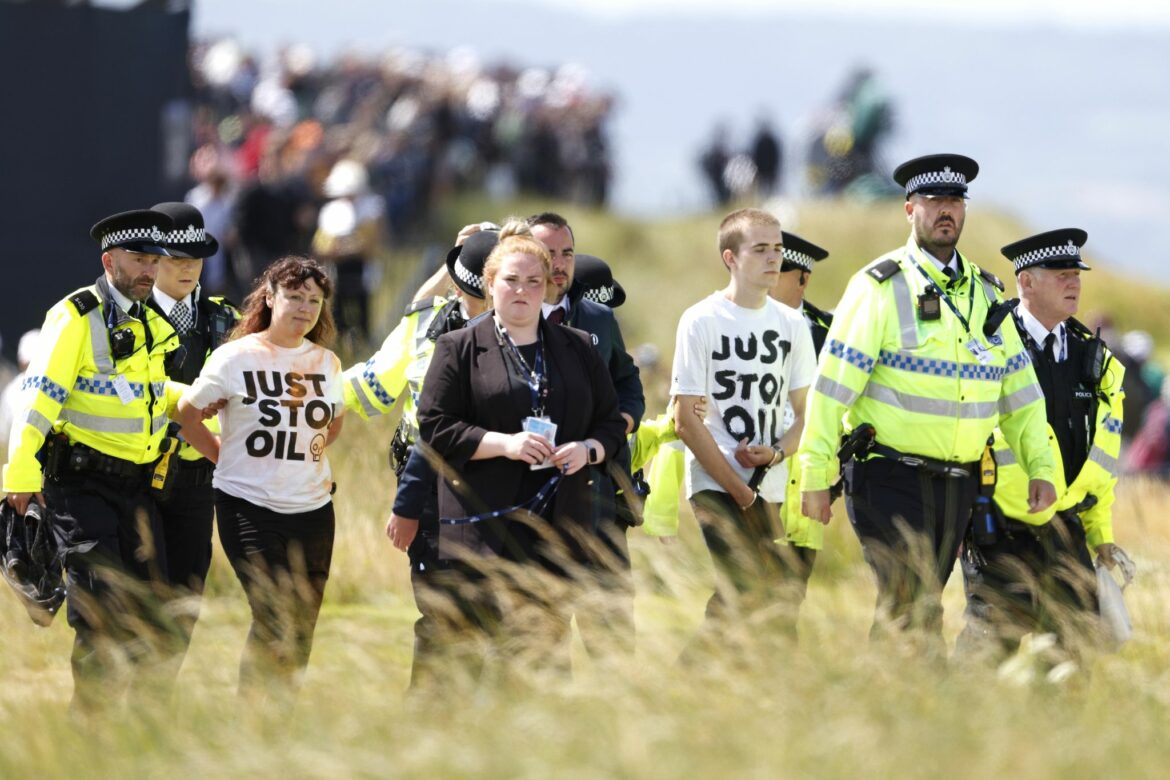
(915,380)
(655,446)
(72,387)
(371,388)
(1097,477)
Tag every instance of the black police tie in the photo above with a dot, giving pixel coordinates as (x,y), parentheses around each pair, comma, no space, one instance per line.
(1050,347)
(951,274)
(139,313)
(181,317)
(556,316)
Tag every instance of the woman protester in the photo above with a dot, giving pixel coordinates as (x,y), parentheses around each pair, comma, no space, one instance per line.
(519,411)
(273,484)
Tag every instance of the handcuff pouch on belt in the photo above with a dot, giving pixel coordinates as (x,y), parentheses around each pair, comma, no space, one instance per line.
(399,451)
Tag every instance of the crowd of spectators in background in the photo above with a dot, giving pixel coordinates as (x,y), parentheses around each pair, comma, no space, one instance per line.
(343,158)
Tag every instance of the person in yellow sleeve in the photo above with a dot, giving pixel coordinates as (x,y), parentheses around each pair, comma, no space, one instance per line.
(202,322)
(918,349)
(95,412)
(371,389)
(1031,571)
(800,255)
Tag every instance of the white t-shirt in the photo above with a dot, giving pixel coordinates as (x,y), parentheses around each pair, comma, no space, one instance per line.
(280,403)
(745,361)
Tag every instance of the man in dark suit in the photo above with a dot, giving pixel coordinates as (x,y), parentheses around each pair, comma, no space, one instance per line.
(565,303)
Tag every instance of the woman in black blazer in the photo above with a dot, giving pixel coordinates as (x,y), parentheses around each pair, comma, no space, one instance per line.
(485,385)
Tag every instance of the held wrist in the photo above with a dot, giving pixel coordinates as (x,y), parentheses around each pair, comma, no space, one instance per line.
(777,456)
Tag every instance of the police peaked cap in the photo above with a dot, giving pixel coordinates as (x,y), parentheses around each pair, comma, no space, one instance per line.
(800,252)
(937,174)
(465,263)
(1058,249)
(142,230)
(596,278)
(188,237)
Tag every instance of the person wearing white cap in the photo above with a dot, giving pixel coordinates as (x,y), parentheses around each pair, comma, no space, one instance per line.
(1030,571)
(917,353)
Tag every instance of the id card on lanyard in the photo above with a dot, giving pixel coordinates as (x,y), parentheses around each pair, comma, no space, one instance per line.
(536,379)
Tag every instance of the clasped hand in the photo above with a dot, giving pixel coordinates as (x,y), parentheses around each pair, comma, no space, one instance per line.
(532,448)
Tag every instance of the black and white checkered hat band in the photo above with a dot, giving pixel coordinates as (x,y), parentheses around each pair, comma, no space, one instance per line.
(599,294)
(798,258)
(119,237)
(945,177)
(192,235)
(467,277)
(1069,251)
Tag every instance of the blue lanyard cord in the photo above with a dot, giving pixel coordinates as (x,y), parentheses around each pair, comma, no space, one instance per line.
(536,505)
(946,298)
(534,377)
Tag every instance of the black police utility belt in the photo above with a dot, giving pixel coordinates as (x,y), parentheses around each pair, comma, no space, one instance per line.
(63,457)
(937,468)
(536,505)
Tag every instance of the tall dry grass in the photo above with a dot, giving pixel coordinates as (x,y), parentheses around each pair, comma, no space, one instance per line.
(832,704)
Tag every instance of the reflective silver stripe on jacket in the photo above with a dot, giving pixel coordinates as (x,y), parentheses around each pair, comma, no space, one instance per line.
(100,342)
(158,423)
(101,424)
(38,421)
(1005,457)
(1021,398)
(982,410)
(367,407)
(835,390)
(1103,459)
(907,321)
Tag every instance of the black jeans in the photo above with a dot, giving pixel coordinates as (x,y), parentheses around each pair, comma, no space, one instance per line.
(750,567)
(1032,578)
(109,528)
(910,525)
(187,516)
(282,561)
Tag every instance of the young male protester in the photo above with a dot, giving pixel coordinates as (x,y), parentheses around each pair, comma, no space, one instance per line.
(749,356)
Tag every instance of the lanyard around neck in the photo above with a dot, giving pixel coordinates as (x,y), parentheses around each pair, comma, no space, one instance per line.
(534,376)
(946,298)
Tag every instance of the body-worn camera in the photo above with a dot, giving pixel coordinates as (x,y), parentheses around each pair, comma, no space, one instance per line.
(122,343)
(929,306)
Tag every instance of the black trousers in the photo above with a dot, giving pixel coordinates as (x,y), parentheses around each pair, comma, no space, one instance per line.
(1032,579)
(187,516)
(110,530)
(282,561)
(910,524)
(752,571)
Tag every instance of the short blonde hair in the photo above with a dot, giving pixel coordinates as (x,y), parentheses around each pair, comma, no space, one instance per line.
(515,239)
(737,223)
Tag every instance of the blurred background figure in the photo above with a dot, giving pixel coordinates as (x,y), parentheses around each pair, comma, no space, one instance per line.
(768,156)
(713,161)
(215,197)
(1143,379)
(1149,450)
(10,396)
(351,233)
(843,156)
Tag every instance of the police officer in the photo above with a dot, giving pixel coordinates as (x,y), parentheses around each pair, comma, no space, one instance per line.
(202,323)
(565,303)
(95,415)
(915,350)
(1031,571)
(371,389)
(798,257)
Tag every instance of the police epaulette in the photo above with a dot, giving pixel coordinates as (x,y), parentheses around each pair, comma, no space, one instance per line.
(223,302)
(995,280)
(1079,328)
(884,270)
(85,301)
(425,303)
(818,314)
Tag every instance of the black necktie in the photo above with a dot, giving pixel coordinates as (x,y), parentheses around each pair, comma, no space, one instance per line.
(138,313)
(1050,347)
(556,316)
(950,273)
